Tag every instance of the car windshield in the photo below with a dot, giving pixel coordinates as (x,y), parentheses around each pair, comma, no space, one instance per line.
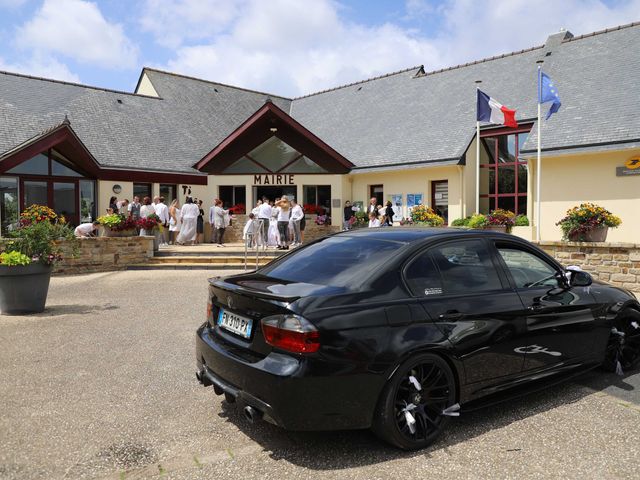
(340,261)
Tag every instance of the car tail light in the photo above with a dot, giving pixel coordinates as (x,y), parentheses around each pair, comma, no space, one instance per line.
(291,332)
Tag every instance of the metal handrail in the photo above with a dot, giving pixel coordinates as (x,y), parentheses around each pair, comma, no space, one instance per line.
(255,241)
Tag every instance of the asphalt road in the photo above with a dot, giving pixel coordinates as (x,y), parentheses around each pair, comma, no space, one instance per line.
(102,385)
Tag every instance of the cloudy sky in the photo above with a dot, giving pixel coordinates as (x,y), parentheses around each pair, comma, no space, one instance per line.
(286,47)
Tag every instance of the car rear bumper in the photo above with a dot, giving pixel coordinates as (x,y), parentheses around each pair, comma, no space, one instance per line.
(293,392)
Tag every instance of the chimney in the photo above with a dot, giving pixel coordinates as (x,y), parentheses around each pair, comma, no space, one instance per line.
(555,40)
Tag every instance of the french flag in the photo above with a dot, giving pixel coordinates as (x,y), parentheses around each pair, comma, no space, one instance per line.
(490,110)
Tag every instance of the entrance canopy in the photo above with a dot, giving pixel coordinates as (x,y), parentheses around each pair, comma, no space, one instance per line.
(272,142)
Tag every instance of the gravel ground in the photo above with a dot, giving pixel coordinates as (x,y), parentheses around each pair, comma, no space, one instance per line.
(101,385)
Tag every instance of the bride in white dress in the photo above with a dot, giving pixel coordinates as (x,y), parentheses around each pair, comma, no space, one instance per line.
(189,218)
(273,239)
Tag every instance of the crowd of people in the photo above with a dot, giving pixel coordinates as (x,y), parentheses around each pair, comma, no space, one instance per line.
(278,223)
(379,215)
(182,224)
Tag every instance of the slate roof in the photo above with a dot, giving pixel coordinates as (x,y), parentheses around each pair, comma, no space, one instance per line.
(407,118)
(430,118)
(127,130)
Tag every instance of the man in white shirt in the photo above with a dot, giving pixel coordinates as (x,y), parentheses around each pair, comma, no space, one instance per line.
(163,214)
(264,214)
(296,215)
(86,229)
(212,221)
(373,206)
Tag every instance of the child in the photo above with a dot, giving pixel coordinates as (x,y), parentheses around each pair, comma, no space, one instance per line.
(249,232)
(373,220)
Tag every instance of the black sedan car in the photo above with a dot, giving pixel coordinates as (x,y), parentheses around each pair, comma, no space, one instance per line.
(399,329)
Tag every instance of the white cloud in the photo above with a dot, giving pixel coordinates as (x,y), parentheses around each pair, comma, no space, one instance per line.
(473,30)
(293,47)
(173,21)
(76,29)
(41,67)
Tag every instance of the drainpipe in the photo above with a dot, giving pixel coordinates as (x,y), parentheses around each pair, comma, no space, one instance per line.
(463,206)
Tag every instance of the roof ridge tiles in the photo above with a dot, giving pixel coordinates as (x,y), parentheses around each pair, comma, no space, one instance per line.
(483,60)
(74,84)
(211,82)
(600,32)
(378,77)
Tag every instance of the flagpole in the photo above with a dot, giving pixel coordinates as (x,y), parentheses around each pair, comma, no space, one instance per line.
(539,159)
(478,82)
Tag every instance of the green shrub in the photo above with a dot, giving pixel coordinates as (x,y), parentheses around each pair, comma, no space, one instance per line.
(41,241)
(461,222)
(478,221)
(521,221)
(11,259)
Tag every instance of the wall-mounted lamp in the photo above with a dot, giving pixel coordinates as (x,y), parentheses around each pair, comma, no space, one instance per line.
(273,129)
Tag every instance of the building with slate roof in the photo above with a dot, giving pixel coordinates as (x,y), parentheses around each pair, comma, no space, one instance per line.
(408,136)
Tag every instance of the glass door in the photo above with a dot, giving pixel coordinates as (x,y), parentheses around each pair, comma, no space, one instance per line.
(62,197)
(64,201)
(440,198)
(8,203)
(35,192)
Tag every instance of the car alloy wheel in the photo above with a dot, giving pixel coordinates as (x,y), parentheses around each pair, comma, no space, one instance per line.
(410,411)
(624,345)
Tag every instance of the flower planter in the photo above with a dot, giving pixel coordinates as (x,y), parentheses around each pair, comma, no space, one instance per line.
(119,233)
(23,289)
(598,234)
(497,228)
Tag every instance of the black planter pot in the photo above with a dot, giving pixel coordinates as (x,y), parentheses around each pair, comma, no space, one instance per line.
(23,289)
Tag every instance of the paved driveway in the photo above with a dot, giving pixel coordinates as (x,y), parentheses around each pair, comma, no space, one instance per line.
(102,385)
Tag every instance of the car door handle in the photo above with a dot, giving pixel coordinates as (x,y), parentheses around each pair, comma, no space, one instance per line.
(536,307)
(451,315)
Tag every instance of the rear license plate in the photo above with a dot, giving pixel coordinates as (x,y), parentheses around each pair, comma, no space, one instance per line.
(235,323)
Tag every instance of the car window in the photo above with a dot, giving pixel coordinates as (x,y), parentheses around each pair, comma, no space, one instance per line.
(465,267)
(422,276)
(528,270)
(340,261)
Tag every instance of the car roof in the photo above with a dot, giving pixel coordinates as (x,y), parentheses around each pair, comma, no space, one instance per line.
(411,234)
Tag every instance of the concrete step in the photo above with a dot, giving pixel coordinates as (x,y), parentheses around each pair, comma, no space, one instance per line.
(218,260)
(220,252)
(191,266)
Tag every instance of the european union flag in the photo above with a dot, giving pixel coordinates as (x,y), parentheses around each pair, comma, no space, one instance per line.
(547,92)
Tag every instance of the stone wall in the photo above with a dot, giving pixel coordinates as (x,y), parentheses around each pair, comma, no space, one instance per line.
(614,263)
(234,233)
(102,254)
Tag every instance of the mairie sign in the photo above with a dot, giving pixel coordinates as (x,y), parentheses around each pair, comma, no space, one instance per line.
(276,179)
(631,167)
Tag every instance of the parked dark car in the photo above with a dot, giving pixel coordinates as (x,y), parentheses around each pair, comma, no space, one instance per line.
(398,329)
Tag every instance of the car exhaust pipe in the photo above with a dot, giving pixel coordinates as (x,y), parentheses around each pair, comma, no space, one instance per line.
(252,414)
(202,378)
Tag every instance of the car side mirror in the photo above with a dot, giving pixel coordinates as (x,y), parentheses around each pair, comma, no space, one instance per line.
(580,278)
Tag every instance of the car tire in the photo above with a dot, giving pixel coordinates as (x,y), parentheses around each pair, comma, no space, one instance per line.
(627,322)
(425,401)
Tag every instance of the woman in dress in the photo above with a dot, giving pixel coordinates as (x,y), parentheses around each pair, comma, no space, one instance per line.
(113,204)
(200,224)
(273,237)
(388,213)
(219,222)
(284,212)
(174,221)
(145,210)
(189,219)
